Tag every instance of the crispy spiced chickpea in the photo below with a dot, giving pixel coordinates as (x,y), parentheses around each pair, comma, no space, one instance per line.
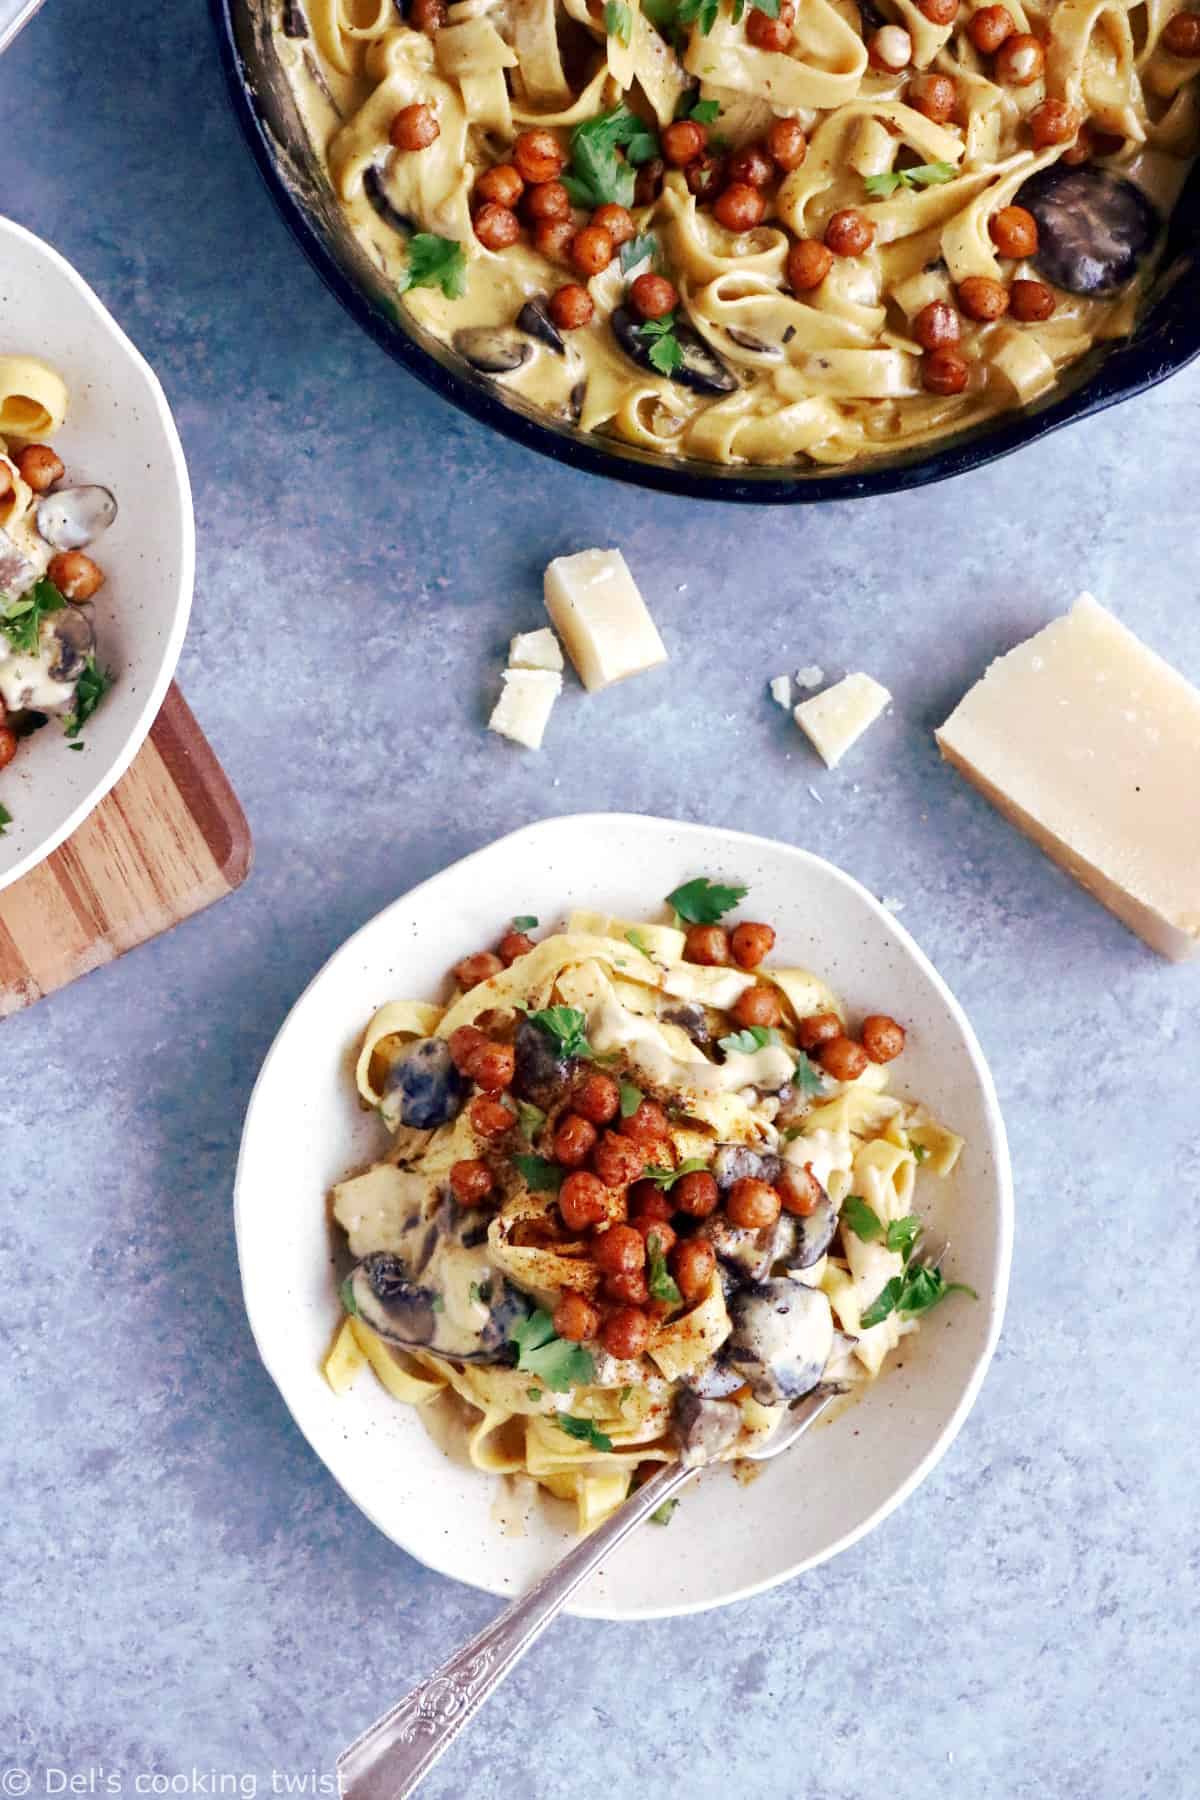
(6,481)
(628,1288)
(939,12)
(817,1029)
(502,184)
(1031,301)
(471,1181)
(683,142)
(575,1318)
(740,207)
(648,1202)
(618,1160)
(752,1204)
(574,1140)
(759,1005)
(658,1229)
(496,227)
(512,945)
(582,1201)
(473,969)
(427,15)
(463,1044)
(597,1098)
(626,1332)
(945,372)
(988,28)
(553,240)
(752,165)
(489,1117)
(1020,60)
(936,326)
(692,1263)
(1181,35)
(571,306)
(617,221)
(882,1038)
(849,232)
(983,299)
(787,144)
(619,1250)
(934,95)
(75,575)
(799,1190)
(647,1124)
(546,201)
(591,250)
(707,944)
(841,1057)
(751,943)
(1053,122)
(696,1194)
(1014,231)
(538,155)
(648,182)
(8,746)
(808,263)
(414,127)
(705,177)
(771,34)
(889,48)
(652,296)
(39,467)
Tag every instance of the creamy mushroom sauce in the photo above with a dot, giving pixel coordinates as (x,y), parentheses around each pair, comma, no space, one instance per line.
(831,375)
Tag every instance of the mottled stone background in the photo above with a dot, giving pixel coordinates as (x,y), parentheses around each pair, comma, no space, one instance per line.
(183,1584)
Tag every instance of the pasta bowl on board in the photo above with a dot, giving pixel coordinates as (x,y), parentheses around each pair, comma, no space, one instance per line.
(118,432)
(305,1129)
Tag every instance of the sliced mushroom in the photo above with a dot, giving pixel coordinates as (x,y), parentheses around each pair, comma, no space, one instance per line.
(70,638)
(781,1339)
(745,340)
(715,1380)
(493,349)
(702,369)
(577,398)
(1094,227)
(691,1018)
(703,1428)
(71,517)
(746,1255)
(390,1302)
(295,25)
(423,1088)
(811,1235)
(738,1162)
(541,1073)
(377,196)
(535,321)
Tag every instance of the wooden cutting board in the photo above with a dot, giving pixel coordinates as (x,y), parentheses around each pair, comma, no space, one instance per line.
(168,840)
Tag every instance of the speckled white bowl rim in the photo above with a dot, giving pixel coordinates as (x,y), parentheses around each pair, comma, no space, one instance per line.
(291,1352)
(54,790)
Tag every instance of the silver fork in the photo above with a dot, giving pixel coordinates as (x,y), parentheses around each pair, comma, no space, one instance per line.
(393,1756)
(13,15)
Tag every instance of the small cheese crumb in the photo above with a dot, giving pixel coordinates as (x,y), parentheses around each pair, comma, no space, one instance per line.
(601,617)
(524,706)
(812,675)
(781,691)
(836,719)
(535,650)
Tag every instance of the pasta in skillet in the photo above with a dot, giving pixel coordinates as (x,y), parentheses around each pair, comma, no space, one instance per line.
(643,1191)
(751,231)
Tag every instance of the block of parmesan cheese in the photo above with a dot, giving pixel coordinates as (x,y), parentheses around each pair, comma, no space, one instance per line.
(837,718)
(1091,743)
(524,706)
(602,619)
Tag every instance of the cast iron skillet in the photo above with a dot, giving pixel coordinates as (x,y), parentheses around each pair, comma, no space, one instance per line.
(1167,336)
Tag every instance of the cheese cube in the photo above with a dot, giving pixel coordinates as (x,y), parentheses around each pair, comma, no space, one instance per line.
(836,719)
(524,707)
(535,650)
(601,618)
(1091,744)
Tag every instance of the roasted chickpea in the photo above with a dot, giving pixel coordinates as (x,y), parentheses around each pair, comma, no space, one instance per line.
(597,1098)
(758,1006)
(849,232)
(752,165)
(658,1229)
(501,184)
(591,250)
(771,34)
(982,299)
(553,241)
(547,201)
(945,371)
(936,326)
(841,1057)
(512,945)
(8,746)
(75,575)
(683,142)
(705,177)
(939,12)
(489,1117)
(617,221)
(818,1028)
(574,1140)
(570,306)
(575,1318)
(740,207)
(619,1249)
(696,1194)
(882,1038)
(988,28)
(1053,122)
(653,296)
(628,1288)
(626,1332)
(934,95)
(6,481)
(473,969)
(463,1044)
(496,227)
(648,1203)
(582,1201)
(1020,59)
(787,144)
(39,467)
(692,1263)
(751,943)
(1014,231)
(617,1160)
(707,944)
(890,49)
(427,15)
(647,1124)
(1181,34)
(470,1182)
(1031,301)
(808,263)
(799,1190)
(492,1066)
(414,127)
(538,155)
(648,183)
(752,1204)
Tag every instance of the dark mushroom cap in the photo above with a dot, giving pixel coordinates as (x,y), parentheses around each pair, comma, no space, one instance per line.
(423,1088)
(702,369)
(71,633)
(781,1339)
(1094,227)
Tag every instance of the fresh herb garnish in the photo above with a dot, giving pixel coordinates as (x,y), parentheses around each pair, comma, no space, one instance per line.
(639,943)
(566,1025)
(438,1304)
(552,1359)
(481,1292)
(661,13)
(631,1099)
(637,250)
(660,1282)
(75,746)
(90,690)
(924,175)
(540,1176)
(920,1151)
(532,1119)
(534,1394)
(862,1219)
(584,1429)
(618,21)
(434,262)
(754,1037)
(902,1234)
(806,1076)
(623,1396)
(919,1288)
(705,112)
(666,352)
(346,1292)
(21,620)
(524,922)
(666,1178)
(703,902)
(598,176)
(792,1133)
(662,1515)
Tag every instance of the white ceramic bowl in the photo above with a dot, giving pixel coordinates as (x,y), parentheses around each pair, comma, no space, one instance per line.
(119,432)
(304,1130)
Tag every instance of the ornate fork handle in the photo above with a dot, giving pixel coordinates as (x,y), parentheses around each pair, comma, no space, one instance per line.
(394,1755)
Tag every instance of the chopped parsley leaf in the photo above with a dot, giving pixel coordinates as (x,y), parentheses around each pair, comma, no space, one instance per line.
(660,1282)
(434,262)
(918,1150)
(618,21)
(584,1429)
(754,1037)
(862,1219)
(438,1304)
(552,1359)
(924,175)
(623,1396)
(639,943)
(346,1292)
(902,1234)
(662,1515)
(532,1119)
(524,922)
(598,176)
(703,902)
(699,12)
(21,620)
(566,1025)
(533,1394)
(637,250)
(919,1289)
(705,112)
(807,1077)
(631,1099)
(666,1178)
(90,690)
(540,1176)
(666,353)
